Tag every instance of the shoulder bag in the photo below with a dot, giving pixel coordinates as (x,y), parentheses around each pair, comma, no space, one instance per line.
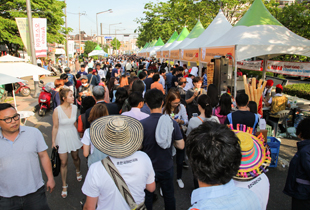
(55,160)
(121,184)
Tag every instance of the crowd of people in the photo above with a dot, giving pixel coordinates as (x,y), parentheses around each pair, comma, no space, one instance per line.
(131,116)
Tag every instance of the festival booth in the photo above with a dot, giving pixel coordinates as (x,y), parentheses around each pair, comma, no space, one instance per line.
(97,52)
(257,34)
(156,47)
(148,50)
(166,51)
(219,25)
(168,43)
(142,52)
(192,36)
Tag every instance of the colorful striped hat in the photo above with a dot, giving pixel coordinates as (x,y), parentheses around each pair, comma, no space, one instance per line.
(117,136)
(255,155)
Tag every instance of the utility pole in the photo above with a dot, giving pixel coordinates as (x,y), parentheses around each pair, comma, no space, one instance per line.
(101,34)
(67,44)
(32,49)
(80,46)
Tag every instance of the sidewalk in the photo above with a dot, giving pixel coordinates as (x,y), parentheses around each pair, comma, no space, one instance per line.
(28,103)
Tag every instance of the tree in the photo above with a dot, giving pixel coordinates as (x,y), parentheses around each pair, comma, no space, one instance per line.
(115,42)
(89,46)
(163,18)
(52,10)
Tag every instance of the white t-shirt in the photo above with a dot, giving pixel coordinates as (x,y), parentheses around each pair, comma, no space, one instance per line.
(260,186)
(86,140)
(136,170)
(194,71)
(101,74)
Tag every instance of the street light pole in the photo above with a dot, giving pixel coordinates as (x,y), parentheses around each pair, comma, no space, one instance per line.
(112,25)
(67,44)
(32,49)
(110,11)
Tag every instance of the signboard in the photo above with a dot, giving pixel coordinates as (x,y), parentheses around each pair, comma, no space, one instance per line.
(251,65)
(70,48)
(208,53)
(39,33)
(174,54)
(190,55)
(289,68)
(22,25)
(108,37)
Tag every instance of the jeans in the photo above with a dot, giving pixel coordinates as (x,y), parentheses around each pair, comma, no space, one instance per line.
(179,160)
(32,201)
(165,179)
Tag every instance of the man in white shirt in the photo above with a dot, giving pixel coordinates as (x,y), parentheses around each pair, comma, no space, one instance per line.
(162,81)
(136,102)
(189,82)
(124,135)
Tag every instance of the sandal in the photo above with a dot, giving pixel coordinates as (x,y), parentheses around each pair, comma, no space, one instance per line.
(64,193)
(79,176)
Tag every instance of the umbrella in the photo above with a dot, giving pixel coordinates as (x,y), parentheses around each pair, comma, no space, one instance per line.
(21,69)
(9,58)
(5,79)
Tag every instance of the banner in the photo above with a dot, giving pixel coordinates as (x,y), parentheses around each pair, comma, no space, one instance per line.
(165,54)
(39,33)
(158,54)
(70,48)
(190,55)
(22,25)
(289,68)
(251,65)
(208,53)
(174,54)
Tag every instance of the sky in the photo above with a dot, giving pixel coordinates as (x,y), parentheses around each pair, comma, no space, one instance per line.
(124,11)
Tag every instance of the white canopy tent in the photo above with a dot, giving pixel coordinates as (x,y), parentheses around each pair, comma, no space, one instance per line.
(9,58)
(259,34)
(97,51)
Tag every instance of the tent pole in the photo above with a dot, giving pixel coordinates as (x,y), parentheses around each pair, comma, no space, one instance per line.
(235,76)
(200,64)
(264,67)
(14,96)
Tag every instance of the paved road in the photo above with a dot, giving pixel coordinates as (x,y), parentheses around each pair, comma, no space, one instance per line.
(277,176)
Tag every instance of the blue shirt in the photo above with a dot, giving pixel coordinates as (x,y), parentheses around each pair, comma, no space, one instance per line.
(223,197)
(161,158)
(114,71)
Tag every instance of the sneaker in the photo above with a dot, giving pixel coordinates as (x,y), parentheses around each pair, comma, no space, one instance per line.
(180,183)
(160,192)
(185,165)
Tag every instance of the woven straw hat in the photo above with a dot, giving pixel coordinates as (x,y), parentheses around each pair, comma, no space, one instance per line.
(117,136)
(255,156)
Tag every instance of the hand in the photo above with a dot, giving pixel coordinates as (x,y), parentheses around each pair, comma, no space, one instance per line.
(53,145)
(50,185)
(196,93)
(178,120)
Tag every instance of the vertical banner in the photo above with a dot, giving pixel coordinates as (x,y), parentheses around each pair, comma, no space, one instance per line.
(40,40)
(70,48)
(22,25)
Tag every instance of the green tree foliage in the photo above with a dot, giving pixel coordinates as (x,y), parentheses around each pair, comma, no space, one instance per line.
(52,10)
(89,46)
(162,18)
(115,43)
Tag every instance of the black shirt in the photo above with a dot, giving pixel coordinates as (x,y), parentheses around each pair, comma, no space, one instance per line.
(161,158)
(174,79)
(242,117)
(148,81)
(112,109)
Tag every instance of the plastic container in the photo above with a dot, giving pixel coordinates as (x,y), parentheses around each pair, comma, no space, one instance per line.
(274,145)
(269,129)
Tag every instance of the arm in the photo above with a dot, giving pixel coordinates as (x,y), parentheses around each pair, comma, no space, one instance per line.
(184,115)
(90,203)
(190,99)
(55,127)
(46,164)
(151,187)
(85,150)
(179,144)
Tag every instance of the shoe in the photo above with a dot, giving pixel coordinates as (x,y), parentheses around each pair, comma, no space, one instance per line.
(185,165)
(79,176)
(180,183)
(64,193)
(160,192)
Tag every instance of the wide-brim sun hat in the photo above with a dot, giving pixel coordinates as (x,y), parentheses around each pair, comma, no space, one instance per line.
(117,136)
(255,155)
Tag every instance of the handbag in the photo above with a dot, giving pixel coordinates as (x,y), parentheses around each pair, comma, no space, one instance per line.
(55,160)
(121,184)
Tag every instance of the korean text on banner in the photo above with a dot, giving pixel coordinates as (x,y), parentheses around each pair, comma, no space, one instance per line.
(208,53)
(251,65)
(23,29)
(40,40)
(289,68)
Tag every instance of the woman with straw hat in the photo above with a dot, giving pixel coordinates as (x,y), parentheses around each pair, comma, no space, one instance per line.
(119,137)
